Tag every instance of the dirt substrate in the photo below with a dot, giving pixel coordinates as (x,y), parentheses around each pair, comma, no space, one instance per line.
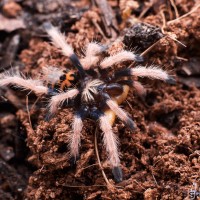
(160,159)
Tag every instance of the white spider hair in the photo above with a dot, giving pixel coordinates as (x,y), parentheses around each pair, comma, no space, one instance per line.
(117,58)
(110,141)
(120,112)
(75,137)
(58,40)
(89,61)
(91,54)
(51,74)
(90,89)
(150,72)
(93,48)
(59,99)
(20,81)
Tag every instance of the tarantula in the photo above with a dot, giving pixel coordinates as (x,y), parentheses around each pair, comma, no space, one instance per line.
(90,90)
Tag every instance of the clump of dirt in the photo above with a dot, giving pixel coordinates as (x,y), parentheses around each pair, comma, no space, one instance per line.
(159,159)
(142,36)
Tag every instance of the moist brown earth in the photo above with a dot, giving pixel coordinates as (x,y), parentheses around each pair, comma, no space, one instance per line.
(160,159)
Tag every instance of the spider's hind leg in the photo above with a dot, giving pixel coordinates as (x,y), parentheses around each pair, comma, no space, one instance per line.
(75,137)
(110,141)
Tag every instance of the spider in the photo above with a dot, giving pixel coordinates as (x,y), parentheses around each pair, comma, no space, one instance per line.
(90,90)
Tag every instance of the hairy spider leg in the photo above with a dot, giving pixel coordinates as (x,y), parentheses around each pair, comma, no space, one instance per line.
(57,100)
(110,116)
(141,71)
(106,119)
(92,54)
(75,135)
(24,83)
(150,72)
(110,141)
(58,40)
(120,57)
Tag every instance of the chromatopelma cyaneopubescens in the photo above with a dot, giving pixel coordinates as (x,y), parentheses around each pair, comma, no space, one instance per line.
(90,90)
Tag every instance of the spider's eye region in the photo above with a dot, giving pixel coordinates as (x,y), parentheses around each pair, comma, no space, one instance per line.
(68,79)
(63,77)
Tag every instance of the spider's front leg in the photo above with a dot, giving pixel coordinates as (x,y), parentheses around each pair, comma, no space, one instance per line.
(59,41)
(20,81)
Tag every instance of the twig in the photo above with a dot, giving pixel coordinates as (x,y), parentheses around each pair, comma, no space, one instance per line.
(129,105)
(89,166)
(139,185)
(173,38)
(27,108)
(185,15)
(151,47)
(108,18)
(40,170)
(145,10)
(164,21)
(147,50)
(109,185)
(181,58)
(154,179)
(35,103)
(175,8)
(10,50)
(99,29)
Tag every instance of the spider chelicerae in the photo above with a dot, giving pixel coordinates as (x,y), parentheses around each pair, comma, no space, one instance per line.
(90,89)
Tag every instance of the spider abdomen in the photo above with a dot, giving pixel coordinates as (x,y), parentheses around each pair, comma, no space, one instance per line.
(118,99)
